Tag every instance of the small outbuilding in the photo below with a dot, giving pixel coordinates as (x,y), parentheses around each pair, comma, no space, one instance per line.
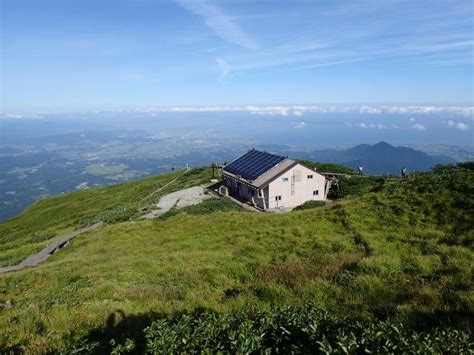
(270,181)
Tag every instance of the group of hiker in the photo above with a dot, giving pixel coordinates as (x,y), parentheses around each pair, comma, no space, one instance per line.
(403,171)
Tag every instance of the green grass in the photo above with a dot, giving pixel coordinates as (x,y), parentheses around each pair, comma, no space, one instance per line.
(310,204)
(328,168)
(402,253)
(28,232)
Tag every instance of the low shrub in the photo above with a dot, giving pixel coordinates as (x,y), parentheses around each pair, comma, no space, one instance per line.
(208,206)
(356,186)
(309,204)
(41,237)
(286,329)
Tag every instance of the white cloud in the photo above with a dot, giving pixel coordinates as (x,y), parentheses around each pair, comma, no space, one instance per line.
(219,22)
(300,124)
(269,110)
(462,126)
(418,127)
(22,116)
(370,125)
(370,109)
(458,125)
(299,109)
(401,110)
(224,68)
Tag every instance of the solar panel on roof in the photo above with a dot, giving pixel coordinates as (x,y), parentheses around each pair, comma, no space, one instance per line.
(253,164)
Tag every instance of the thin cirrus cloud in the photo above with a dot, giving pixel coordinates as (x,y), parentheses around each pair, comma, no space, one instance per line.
(224,68)
(219,22)
(370,30)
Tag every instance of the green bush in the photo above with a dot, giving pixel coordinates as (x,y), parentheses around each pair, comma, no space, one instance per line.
(208,206)
(356,186)
(328,167)
(309,204)
(286,329)
(41,237)
(112,215)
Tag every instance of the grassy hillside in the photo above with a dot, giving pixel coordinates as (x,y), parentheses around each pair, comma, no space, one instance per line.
(402,253)
(54,217)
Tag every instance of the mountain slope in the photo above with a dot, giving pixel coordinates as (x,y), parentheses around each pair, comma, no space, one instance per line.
(381,158)
(404,252)
(51,218)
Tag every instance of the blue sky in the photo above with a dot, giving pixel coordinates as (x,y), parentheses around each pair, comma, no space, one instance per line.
(85,54)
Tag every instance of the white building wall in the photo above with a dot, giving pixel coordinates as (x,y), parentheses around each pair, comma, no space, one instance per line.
(300,192)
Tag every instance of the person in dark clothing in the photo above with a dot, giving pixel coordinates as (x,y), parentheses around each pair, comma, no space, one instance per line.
(403,172)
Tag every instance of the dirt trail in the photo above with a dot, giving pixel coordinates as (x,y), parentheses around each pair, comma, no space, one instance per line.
(44,254)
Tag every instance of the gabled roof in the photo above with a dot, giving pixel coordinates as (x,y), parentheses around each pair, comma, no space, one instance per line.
(253,164)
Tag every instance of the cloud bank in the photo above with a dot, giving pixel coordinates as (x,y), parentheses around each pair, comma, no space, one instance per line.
(466,111)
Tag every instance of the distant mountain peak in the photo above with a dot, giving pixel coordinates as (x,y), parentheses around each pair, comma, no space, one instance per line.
(383,144)
(381,158)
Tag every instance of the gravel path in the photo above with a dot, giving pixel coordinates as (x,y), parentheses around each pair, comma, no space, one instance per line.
(180,199)
(44,254)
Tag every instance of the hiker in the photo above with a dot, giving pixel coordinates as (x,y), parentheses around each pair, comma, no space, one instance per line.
(403,172)
(360,169)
